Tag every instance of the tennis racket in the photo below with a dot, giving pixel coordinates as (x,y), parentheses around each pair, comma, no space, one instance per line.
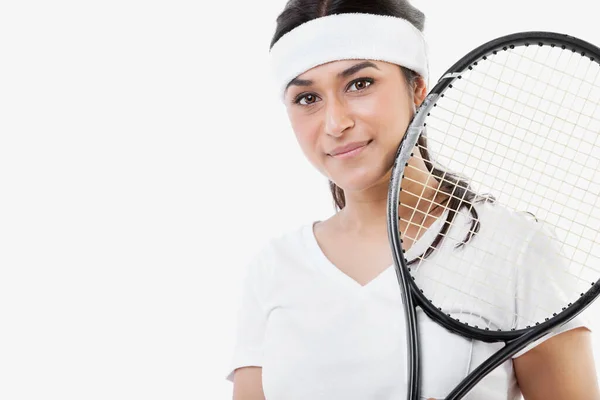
(493,209)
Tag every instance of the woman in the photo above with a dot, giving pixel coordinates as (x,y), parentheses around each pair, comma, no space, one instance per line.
(321,316)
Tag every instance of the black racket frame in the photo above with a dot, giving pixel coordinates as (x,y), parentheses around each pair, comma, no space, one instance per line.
(412,296)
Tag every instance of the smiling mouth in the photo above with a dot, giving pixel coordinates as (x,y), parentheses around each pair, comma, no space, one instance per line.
(351,153)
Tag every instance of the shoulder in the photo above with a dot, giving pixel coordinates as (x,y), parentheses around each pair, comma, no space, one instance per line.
(282,249)
(285,244)
(502,220)
(493,228)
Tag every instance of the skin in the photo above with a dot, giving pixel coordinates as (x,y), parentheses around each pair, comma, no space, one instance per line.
(329,108)
(338,110)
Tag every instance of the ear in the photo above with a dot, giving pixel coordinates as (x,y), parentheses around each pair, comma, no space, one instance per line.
(420,90)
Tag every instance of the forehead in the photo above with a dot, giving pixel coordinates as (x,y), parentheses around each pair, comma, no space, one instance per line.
(337,67)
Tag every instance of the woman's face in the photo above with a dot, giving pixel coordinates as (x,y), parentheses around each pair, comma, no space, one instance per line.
(354,102)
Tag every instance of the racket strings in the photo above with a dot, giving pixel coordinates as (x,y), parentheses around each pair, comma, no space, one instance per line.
(443,178)
(507,146)
(561,73)
(540,98)
(560,105)
(572,159)
(456,238)
(521,126)
(535,168)
(489,276)
(433,204)
(467,289)
(457,308)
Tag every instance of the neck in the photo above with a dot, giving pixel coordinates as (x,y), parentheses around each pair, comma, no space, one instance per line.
(365,213)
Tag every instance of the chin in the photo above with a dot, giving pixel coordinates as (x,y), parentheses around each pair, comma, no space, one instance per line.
(358,182)
(369,173)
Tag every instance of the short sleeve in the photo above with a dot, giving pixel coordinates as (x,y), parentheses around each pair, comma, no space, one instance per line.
(546,284)
(251,321)
(577,322)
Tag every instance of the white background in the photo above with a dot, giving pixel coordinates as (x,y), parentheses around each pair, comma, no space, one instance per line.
(143,160)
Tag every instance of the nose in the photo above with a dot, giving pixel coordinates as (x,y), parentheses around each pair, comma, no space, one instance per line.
(337,118)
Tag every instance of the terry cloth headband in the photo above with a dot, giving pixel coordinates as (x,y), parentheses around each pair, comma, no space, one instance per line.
(348,37)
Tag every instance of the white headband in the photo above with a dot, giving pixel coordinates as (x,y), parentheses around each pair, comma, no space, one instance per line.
(348,37)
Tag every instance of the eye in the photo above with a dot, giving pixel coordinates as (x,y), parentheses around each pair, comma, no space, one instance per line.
(360,84)
(310,99)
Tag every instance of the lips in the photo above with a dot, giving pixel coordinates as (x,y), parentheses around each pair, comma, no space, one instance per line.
(348,148)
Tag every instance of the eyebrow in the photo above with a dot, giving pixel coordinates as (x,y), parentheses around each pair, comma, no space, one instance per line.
(344,74)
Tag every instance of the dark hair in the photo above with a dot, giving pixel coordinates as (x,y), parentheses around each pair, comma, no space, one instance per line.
(298,12)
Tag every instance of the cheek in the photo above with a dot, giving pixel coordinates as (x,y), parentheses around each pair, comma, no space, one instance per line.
(369,108)
(387,115)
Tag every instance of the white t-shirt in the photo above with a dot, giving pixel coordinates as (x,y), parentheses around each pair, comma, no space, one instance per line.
(319,335)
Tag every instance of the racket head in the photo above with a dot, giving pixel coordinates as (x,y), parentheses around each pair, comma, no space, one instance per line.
(547,50)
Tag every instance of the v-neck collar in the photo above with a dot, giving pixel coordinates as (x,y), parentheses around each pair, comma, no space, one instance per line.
(327,267)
